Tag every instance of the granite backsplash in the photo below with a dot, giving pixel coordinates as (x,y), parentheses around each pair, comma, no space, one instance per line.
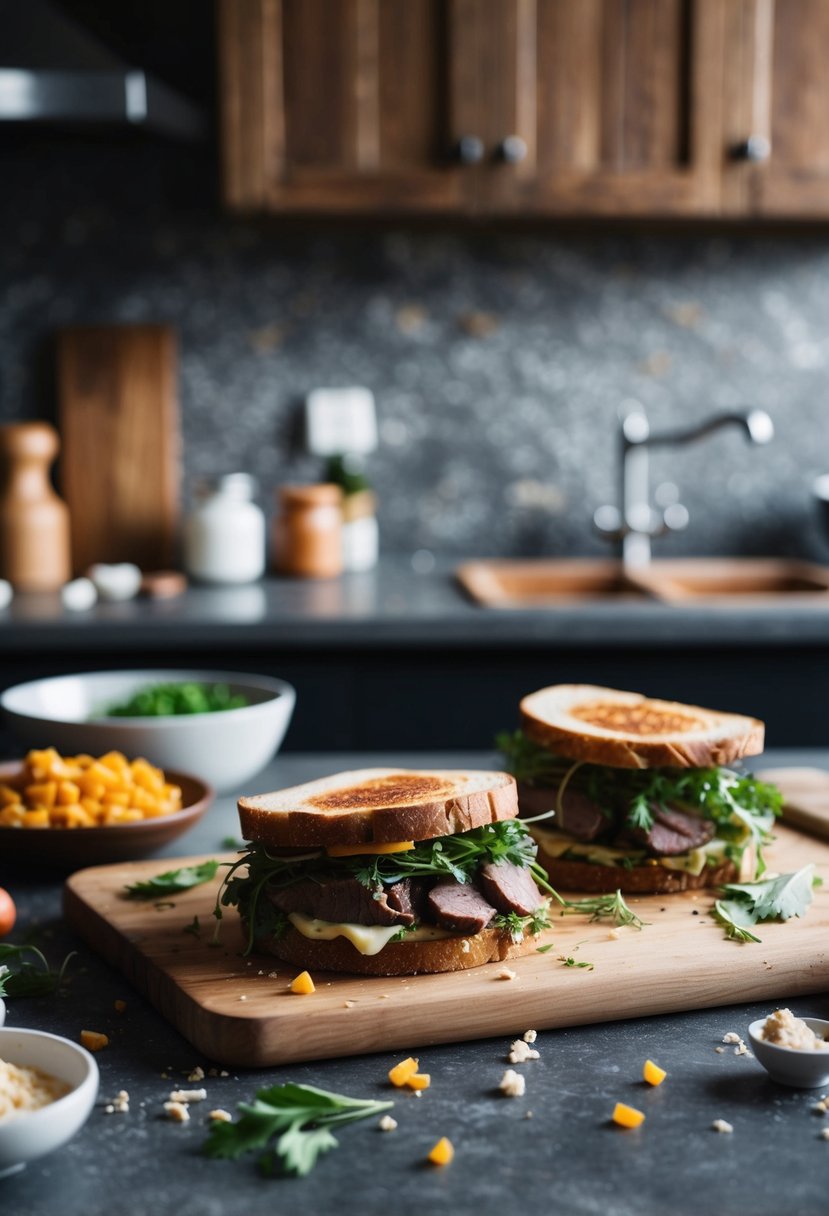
(498,356)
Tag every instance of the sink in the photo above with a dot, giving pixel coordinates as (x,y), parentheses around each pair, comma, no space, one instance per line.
(550,583)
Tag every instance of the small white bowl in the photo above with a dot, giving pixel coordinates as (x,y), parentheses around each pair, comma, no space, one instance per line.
(791,1065)
(226,748)
(35,1133)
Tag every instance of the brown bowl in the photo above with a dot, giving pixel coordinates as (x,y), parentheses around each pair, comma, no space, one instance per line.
(73,848)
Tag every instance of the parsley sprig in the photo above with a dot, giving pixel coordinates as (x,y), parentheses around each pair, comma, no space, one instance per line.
(292,1123)
(603,907)
(29,978)
(173,881)
(746,904)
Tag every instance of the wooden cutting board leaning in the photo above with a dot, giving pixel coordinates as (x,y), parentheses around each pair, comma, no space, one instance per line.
(240,1012)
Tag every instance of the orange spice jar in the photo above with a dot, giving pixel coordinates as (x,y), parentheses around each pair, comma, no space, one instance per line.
(308,531)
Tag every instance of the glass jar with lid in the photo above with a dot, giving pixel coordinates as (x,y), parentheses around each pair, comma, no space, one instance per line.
(224,537)
(307,532)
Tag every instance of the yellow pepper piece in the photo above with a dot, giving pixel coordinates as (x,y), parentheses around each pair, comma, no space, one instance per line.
(442,1153)
(402,1072)
(627,1116)
(93,1041)
(652,1073)
(419,1080)
(353,850)
(303,984)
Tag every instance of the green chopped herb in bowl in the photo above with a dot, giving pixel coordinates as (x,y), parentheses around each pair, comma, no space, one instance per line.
(165,700)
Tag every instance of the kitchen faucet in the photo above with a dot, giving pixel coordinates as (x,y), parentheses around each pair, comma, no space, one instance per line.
(636,522)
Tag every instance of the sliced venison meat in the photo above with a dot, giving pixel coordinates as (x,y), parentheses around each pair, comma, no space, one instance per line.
(346,900)
(457,905)
(511,888)
(673,832)
(579,815)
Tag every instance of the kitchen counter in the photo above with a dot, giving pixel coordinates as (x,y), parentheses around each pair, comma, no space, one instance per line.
(566,1156)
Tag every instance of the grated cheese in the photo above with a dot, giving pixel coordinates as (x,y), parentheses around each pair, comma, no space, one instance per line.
(27,1089)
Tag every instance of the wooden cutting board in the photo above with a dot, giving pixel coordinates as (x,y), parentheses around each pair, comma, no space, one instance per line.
(680,960)
(807,797)
(119,464)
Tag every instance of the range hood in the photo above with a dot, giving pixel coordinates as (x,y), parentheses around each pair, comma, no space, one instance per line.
(53,72)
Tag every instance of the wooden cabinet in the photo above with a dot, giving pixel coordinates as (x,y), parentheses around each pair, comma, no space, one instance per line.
(527,107)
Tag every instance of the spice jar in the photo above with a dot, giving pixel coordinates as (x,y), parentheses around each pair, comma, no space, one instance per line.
(224,537)
(307,533)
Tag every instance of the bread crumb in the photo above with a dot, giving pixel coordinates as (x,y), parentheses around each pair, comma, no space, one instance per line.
(530,1036)
(512,1084)
(465,946)
(731,1037)
(349,1004)
(177,1111)
(821,1107)
(197,1074)
(506,973)
(614,935)
(387,1124)
(521,1051)
(741,1049)
(418,1093)
(720,1051)
(223,1073)
(384,996)
(188,1095)
(528,1114)
(273,975)
(243,997)
(220,1116)
(824,1135)
(93,1040)
(720,1125)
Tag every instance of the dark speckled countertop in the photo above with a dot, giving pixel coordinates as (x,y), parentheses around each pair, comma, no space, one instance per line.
(390,607)
(566,1157)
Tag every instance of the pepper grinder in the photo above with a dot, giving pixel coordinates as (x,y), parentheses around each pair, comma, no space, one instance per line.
(34,522)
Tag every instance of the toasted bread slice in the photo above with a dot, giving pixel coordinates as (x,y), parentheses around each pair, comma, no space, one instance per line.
(629,730)
(378,806)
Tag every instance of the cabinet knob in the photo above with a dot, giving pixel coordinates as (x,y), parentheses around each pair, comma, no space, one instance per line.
(755,148)
(469,150)
(512,149)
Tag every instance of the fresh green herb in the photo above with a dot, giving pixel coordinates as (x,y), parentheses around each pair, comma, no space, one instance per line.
(571,962)
(742,808)
(292,1123)
(232,842)
(603,907)
(545,949)
(29,979)
(521,926)
(166,700)
(748,903)
(457,856)
(194,927)
(173,881)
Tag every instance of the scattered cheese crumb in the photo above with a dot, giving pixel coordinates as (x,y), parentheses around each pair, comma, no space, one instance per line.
(384,996)
(442,1153)
(401,1072)
(121,1103)
(419,1080)
(627,1116)
(824,1135)
(741,1049)
(220,1116)
(506,973)
(614,935)
(821,1107)
(530,1036)
(243,997)
(387,1124)
(349,1004)
(197,1074)
(223,1073)
(521,1051)
(273,975)
(177,1111)
(652,1073)
(188,1095)
(92,1040)
(731,1037)
(719,1050)
(528,1114)
(120,1006)
(417,1093)
(512,1084)
(720,1125)
(302,984)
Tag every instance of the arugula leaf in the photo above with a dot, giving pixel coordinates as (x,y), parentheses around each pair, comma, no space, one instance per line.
(173,881)
(571,962)
(30,979)
(518,926)
(748,903)
(301,1116)
(545,949)
(601,907)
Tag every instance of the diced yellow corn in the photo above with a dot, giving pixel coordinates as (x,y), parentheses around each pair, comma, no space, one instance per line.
(442,1153)
(652,1073)
(8,796)
(42,793)
(302,984)
(147,777)
(68,793)
(12,816)
(400,1074)
(36,819)
(627,1116)
(117,761)
(419,1080)
(116,798)
(92,1040)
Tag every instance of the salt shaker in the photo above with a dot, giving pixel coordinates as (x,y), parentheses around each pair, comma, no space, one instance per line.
(224,536)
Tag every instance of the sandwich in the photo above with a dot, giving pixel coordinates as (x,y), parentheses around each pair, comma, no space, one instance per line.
(639,795)
(388,872)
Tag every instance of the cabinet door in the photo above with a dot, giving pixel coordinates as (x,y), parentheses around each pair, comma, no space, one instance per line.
(777,109)
(341,105)
(597,107)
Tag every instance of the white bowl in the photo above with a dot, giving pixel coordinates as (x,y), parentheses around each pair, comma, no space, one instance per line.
(34,1133)
(791,1065)
(226,748)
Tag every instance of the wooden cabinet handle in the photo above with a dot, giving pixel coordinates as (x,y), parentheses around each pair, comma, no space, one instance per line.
(755,148)
(512,149)
(469,150)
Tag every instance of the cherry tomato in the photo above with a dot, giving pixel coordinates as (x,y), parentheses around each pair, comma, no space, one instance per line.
(8,913)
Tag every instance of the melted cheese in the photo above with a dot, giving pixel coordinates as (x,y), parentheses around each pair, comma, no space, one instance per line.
(694,861)
(354,850)
(366,939)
